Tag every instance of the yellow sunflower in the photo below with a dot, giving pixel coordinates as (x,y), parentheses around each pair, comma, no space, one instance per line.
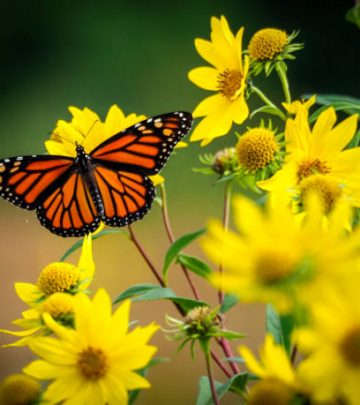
(279,381)
(96,362)
(317,160)
(275,258)
(60,277)
(227,77)
(331,345)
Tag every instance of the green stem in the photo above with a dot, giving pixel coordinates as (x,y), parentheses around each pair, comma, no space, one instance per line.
(267,101)
(284,81)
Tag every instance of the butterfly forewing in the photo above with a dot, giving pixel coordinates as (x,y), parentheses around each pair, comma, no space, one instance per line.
(145,147)
(26,180)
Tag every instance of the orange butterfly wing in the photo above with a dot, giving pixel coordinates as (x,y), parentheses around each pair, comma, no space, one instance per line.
(145,147)
(70,210)
(126,196)
(26,180)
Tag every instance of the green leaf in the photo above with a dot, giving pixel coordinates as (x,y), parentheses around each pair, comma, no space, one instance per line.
(230,300)
(235,384)
(134,291)
(355,141)
(230,335)
(347,104)
(280,327)
(153,292)
(77,245)
(195,265)
(177,247)
(268,110)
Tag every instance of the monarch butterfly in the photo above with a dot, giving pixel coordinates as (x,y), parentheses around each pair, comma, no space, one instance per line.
(110,184)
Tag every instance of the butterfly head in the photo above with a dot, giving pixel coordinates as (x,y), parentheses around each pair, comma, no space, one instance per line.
(80,151)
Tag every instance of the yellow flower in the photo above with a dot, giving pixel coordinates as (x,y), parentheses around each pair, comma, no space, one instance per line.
(60,277)
(59,305)
(52,292)
(332,345)
(267,43)
(319,151)
(87,130)
(278,377)
(257,148)
(19,389)
(297,105)
(227,78)
(275,258)
(96,362)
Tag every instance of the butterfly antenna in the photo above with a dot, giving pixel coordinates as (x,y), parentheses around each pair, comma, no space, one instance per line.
(90,129)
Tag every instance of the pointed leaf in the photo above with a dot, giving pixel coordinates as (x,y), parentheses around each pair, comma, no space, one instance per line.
(235,384)
(195,265)
(177,247)
(280,327)
(230,300)
(153,292)
(135,290)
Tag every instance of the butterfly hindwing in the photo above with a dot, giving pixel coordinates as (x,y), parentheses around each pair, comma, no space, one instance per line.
(126,196)
(26,180)
(70,210)
(145,147)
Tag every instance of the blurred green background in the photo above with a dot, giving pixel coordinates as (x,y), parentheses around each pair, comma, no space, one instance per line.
(137,54)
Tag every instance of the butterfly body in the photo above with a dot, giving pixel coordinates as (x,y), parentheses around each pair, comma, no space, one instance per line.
(110,183)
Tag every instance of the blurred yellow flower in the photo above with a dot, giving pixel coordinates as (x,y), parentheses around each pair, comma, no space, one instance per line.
(96,362)
(227,78)
(331,345)
(278,377)
(319,151)
(275,258)
(19,389)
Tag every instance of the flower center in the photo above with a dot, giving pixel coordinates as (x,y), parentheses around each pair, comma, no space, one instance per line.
(229,83)
(19,389)
(350,347)
(327,189)
(309,167)
(256,148)
(93,363)
(267,43)
(270,391)
(274,265)
(58,277)
(60,306)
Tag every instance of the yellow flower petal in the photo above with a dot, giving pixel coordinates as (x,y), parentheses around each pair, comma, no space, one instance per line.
(157,179)
(204,77)
(251,361)
(29,293)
